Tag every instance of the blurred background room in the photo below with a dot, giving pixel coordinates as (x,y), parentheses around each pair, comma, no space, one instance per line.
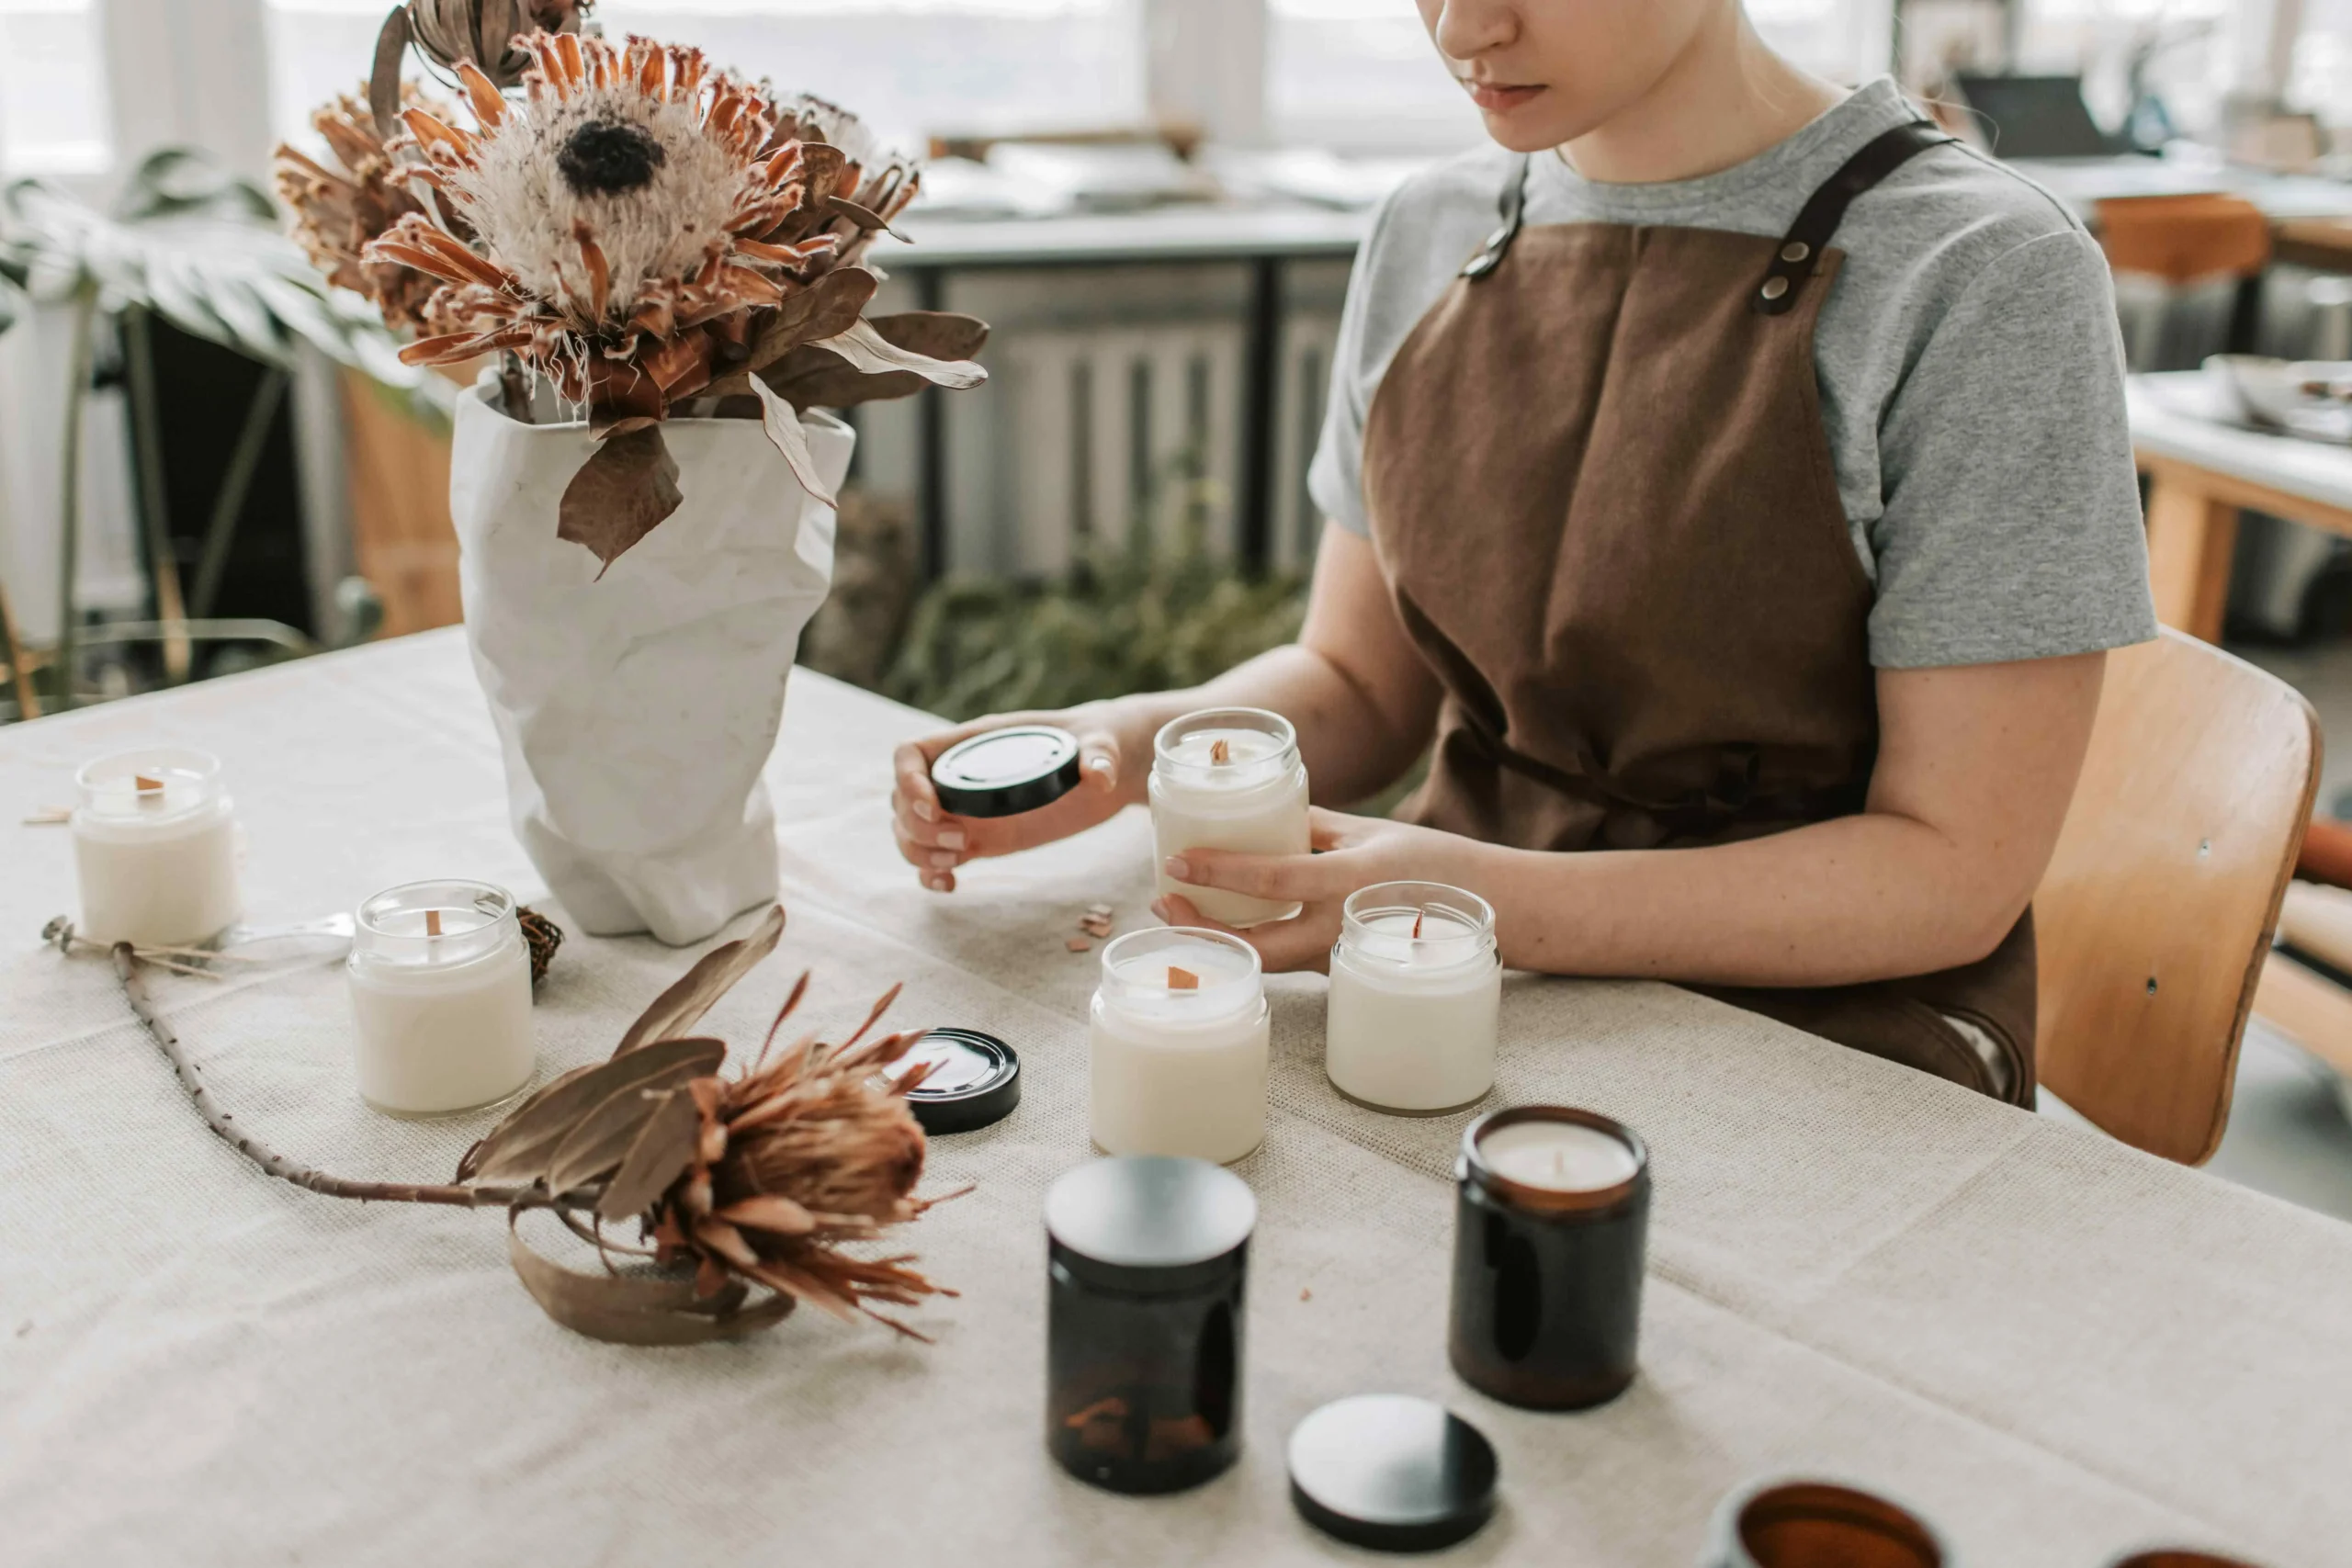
(210,461)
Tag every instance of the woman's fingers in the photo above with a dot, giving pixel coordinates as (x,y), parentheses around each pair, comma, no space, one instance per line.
(1288,879)
(936,868)
(938,833)
(1098,761)
(1328,830)
(1283,945)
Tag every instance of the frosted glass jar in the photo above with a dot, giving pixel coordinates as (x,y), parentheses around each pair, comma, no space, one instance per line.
(440,982)
(1227,779)
(155,848)
(1177,1046)
(1412,1018)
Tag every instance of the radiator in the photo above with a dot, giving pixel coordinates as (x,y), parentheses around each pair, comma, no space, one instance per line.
(1113,415)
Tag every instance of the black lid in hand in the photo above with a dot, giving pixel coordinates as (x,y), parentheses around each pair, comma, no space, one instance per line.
(1007,771)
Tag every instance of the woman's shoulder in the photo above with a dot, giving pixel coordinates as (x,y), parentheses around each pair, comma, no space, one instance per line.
(1435,218)
(1953,213)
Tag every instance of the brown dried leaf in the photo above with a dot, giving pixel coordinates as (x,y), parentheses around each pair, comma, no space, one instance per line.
(810,377)
(523,1146)
(827,307)
(384,80)
(601,1139)
(869,350)
(769,1212)
(620,494)
(866,218)
(782,422)
(665,1147)
(632,1310)
(681,1007)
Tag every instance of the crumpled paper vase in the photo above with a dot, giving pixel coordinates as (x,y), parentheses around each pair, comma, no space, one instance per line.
(636,711)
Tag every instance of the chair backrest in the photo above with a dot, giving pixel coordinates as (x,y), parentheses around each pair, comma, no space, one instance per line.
(2157,909)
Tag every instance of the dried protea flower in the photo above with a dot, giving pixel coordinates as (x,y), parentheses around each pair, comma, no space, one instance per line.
(757,1182)
(856,184)
(640,231)
(450,33)
(339,210)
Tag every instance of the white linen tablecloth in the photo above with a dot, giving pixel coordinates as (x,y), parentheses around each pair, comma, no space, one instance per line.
(2054,1345)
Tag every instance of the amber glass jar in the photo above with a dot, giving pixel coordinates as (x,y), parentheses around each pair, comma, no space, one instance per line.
(1147,1257)
(1551,1218)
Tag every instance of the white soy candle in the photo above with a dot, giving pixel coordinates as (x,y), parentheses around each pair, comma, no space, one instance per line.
(440,982)
(1557,1156)
(1178,1046)
(1228,779)
(155,848)
(1416,991)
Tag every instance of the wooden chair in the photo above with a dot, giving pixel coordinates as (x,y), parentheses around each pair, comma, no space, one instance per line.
(2156,913)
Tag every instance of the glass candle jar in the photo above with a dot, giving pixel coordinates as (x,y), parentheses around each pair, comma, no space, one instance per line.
(1145,1260)
(440,982)
(1801,1523)
(155,848)
(1227,779)
(1416,991)
(1177,1046)
(1551,1217)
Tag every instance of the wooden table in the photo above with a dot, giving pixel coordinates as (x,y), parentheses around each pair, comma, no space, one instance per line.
(2202,473)
(2056,1347)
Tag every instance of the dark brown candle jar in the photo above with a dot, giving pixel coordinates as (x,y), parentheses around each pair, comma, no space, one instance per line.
(1146,1262)
(1818,1524)
(1551,1217)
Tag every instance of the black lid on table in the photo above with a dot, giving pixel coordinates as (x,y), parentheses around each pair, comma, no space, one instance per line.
(1007,771)
(976,1080)
(1149,1222)
(1392,1473)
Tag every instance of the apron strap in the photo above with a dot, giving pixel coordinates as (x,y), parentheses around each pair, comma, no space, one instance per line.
(1490,254)
(1826,208)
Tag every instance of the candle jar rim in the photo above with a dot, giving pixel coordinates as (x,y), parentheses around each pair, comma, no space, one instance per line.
(1248,989)
(201,767)
(1755,1509)
(1381,898)
(1519,1194)
(1263,720)
(372,939)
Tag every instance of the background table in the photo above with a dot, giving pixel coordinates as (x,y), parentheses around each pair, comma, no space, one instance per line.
(2055,1345)
(2201,474)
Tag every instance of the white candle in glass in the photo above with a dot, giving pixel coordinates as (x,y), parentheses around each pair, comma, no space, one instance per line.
(1416,991)
(1557,1156)
(1177,1046)
(155,848)
(440,982)
(1228,779)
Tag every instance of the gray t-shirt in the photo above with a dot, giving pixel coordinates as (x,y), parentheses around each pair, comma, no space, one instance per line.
(1970,370)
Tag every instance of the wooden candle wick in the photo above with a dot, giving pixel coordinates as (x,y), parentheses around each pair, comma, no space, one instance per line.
(1220,751)
(1419,916)
(431,922)
(1182,979)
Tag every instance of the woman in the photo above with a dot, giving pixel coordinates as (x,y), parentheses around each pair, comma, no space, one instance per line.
(1754,591)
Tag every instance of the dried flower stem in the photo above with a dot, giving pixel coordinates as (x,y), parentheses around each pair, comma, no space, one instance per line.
(134,990)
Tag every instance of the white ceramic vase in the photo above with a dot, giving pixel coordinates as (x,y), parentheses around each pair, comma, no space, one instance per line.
(636,711)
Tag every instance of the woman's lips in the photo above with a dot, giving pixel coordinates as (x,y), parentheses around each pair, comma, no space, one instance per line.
(1498,97)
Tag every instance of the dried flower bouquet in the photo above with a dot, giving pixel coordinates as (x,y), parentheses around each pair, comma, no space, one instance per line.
(652,236)
(750,1188)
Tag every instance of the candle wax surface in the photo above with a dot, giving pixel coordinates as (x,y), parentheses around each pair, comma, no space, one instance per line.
(1561,1156)
(1446,938)
(1243,747)
(122,800)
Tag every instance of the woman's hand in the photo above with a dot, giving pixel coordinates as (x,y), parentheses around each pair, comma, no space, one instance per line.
(1115,757)
(1350,852)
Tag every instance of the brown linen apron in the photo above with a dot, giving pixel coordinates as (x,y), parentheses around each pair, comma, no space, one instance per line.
(1600,489)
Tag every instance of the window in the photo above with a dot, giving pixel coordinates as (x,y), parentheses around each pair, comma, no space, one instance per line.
(53,88)
(1363,75)
(912,68)
(2189,47)
(2321,78)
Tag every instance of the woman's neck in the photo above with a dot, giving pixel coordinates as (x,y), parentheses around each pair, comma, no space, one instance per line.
(1725,99)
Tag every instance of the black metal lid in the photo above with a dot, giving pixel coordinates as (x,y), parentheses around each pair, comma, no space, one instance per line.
(1392,1473)
(976,1081)
(1149,1223)
(1007,771)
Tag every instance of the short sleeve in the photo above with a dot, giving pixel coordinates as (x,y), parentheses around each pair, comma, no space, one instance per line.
(1335,475)
(2012,527)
